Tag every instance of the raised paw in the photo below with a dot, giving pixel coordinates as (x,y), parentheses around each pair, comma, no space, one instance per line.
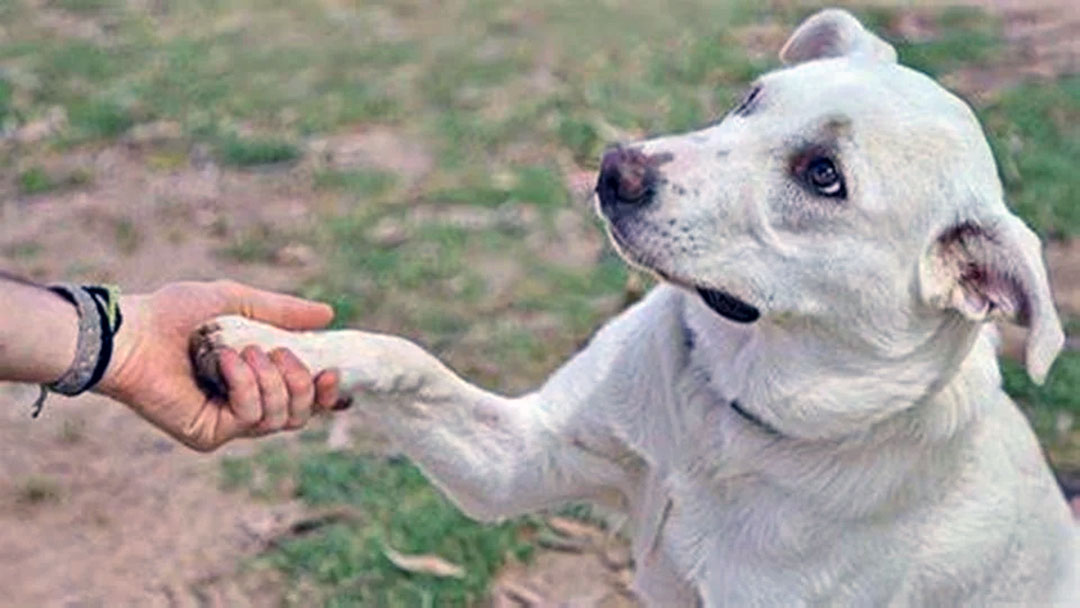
(210,339)
(273,386)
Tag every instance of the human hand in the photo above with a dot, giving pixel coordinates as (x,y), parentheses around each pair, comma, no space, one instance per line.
(152,373)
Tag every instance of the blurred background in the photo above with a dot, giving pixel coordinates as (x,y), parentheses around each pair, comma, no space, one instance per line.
(427,168)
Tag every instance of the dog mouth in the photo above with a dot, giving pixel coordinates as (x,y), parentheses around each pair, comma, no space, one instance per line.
(728,306)
(721,302)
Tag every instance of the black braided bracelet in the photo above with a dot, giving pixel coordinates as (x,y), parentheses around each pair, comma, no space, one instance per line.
(99,321)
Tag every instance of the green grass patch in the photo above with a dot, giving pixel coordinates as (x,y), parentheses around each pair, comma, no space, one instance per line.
(37,180)
(483,194)
(6,92)
(965,36)
(83,7)
(582,138)
(257,244)
(362,182)
(269,474)
(237,473)
(572,293)
(240,151)
(540,185)
(1060,394)
(392,505)
(1035,133)
(100,118)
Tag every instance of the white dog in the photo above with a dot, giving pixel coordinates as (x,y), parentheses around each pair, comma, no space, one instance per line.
(808,411)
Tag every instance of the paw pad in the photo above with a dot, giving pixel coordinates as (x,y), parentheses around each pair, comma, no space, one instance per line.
(204,348)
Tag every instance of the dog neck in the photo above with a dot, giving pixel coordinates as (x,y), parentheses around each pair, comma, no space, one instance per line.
(801,381)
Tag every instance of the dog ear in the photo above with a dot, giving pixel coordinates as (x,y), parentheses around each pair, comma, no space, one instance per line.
(995,270)
(834,33)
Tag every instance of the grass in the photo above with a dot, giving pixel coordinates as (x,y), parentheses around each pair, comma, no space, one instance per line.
(99,118)
(82,6)
(1058,394)
(238,151)
(256,244)
(37,180)
(1035,132)
(541,185)
(5,101)
(1053,408)
(361,182)
(960,36)
(388,504)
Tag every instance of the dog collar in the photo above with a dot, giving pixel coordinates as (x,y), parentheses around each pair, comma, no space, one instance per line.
(754,419)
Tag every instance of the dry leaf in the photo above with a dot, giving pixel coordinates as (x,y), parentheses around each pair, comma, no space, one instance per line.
(424,564)
(521,594)
(550,540)
(575,529)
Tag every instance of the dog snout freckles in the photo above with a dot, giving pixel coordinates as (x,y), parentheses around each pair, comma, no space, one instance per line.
(628,179)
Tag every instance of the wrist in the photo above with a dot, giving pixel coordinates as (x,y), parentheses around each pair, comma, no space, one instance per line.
(122,372)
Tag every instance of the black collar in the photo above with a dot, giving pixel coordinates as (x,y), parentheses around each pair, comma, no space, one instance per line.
(689,342)
(754,419)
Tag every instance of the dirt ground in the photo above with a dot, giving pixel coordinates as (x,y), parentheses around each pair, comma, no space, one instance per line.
(97,509)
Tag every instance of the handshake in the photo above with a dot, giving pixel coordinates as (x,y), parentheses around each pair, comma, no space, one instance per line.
(144,360)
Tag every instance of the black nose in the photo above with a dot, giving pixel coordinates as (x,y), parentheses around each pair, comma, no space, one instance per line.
(627,180)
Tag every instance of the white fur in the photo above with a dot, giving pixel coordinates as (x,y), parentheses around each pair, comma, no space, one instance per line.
(888,467)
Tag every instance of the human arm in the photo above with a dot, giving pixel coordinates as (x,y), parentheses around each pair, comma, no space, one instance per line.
(38,331)
(150,369)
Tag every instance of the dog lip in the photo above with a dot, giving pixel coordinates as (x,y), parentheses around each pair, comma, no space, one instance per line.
(721,302)
(728,306)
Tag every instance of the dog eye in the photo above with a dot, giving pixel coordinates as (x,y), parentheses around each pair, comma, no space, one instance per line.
(823,176)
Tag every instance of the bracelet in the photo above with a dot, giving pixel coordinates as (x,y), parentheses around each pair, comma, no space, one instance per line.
(99,320)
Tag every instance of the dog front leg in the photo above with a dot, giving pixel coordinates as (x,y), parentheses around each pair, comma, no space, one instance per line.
(493,456)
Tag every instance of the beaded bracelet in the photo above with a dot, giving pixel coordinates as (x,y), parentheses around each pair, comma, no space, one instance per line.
(99,320)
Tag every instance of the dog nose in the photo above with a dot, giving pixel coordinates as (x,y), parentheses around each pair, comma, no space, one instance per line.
(627,177)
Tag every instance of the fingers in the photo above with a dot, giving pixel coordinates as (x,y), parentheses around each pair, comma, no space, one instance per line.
(300,386)
(244,397)
(275,391)
(272,390)
(282,310)
(326,390)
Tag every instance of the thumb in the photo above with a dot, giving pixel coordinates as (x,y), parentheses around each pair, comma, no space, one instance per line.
(284,311)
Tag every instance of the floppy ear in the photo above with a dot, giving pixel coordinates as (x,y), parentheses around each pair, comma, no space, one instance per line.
(834,33)
(995,270)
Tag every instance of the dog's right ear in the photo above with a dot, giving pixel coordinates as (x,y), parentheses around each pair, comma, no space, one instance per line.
(834,33)
(994,270)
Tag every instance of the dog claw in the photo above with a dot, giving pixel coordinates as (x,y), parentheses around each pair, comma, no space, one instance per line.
(343,403)
(204,349)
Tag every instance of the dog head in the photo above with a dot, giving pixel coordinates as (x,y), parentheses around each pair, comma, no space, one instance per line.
(844,192)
